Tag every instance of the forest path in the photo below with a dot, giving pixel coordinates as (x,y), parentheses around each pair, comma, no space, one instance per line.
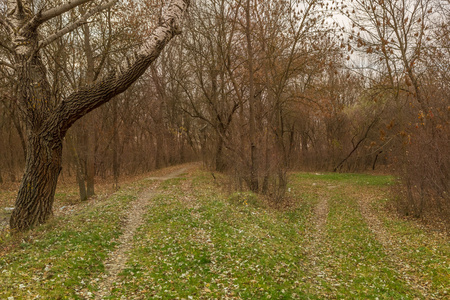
(353,240)
(321,211)
(190,235)
(390,246)
(116,260)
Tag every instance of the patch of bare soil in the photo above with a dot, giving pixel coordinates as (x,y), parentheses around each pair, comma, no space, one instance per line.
(116,260)
(171,175)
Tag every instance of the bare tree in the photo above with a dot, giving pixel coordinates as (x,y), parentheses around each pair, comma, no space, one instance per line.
(47,120)
(406,41)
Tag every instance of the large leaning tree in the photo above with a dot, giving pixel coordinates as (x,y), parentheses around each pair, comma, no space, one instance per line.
(46,120)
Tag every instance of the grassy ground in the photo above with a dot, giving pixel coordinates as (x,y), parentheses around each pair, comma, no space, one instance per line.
(66,197)
(196,242)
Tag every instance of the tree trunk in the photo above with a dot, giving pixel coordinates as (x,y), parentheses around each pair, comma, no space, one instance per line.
(91,137)
(47,122)
(116,162)
(90,160)
(254,176)
(265,184)
(220,161)
(159,156)
(81,186)
(12,165)
(79,169)
(36,193)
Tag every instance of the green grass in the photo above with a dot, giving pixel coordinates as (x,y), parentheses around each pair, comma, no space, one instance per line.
(62,258)
(427,254)
(214,248)
(356,259)
(349,178)
(199,242)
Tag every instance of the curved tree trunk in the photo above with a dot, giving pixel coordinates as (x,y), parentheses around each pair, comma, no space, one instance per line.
(47,124)
(37,190)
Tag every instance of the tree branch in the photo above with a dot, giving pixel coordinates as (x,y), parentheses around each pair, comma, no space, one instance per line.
(71,27)
(19,7)
(366,134)
(106,51)
(87,99)
(42,17)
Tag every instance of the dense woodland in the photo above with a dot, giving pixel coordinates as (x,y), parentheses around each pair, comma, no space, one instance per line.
(253,89)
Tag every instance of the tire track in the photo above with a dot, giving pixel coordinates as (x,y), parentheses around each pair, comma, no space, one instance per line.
(320,215)
(117,259)
(391,248)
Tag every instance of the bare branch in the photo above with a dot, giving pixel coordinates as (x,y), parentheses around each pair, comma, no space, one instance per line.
(57,11)
(76,24)
(105,52)
(87,99)
(44,16)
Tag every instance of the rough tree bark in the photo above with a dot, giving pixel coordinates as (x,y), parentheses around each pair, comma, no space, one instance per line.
(46,122)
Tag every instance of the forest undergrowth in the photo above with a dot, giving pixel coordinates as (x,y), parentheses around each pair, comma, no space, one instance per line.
(196,240)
